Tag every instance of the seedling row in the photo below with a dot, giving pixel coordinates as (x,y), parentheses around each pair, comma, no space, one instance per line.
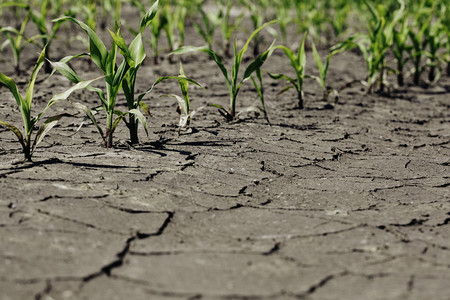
(400,42)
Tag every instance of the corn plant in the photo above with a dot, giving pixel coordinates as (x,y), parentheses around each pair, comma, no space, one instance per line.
(338,19)
(298,63)
(110,8)
(377,42)
(227,26)
(113,75)
(435,39)
(16,38)
(156,28)
(184,102)
(25,104)
(311,17)
(168,21)
(207,30)
(259,87)
(234,84)
(323,68)
(283,9)
(417,32)
(400,47)
(256,9)
(134,55)
(39,18)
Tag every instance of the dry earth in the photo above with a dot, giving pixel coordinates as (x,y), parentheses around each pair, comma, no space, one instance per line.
(350,202)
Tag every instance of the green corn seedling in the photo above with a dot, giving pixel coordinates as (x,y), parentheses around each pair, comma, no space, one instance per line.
(16,38)
(110,8)
(156,28)
(377,42)
(256,9)
(39,18)
(113,75)
(435,39)
(338,19)
(259,87)
(184,102)
(401,47)
(208,29)
(298,63)
(227,26)
(134,55)
(283,8)
(25,105)
(234,84)
(323,67)
(168,21)
(417,32)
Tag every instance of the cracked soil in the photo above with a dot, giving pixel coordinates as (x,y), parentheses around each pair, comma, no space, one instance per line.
(345,203)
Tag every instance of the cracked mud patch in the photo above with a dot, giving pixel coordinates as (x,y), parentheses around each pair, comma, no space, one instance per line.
(347,203)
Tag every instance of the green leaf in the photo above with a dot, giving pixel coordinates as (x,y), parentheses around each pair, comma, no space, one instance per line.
(120,73)
(110,66)
(97,49)
(163,78)
(211,53)
(289,53)
(116,122)
(141,118)
(257,63)
(145,108)
(70,74)
(13,3)
(64,96)
(148,17)
(180,101)
(65,70)
(222,111)
(120,42)
(85,110)
(10,83)
(30,88)
(16,131)
(282,76)
(317,59)
(137,51)
(255,32)
(44,129)
(301,55)
(286,89)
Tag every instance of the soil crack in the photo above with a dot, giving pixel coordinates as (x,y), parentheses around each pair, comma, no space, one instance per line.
(118,262)
(323,282)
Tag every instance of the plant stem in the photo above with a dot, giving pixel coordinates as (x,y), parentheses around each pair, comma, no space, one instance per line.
(108,135)
(133,127)
(432,74)
(300,100)
(233,106)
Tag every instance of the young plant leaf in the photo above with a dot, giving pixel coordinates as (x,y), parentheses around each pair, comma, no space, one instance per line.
(15,130)
(85,110)
(148,17)
(44,129)
(97,49)
(141,118)
(10,83)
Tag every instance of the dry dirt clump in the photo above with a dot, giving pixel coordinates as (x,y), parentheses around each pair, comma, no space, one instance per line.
(336,201)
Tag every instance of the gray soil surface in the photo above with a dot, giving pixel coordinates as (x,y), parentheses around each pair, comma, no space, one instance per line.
(345,203)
